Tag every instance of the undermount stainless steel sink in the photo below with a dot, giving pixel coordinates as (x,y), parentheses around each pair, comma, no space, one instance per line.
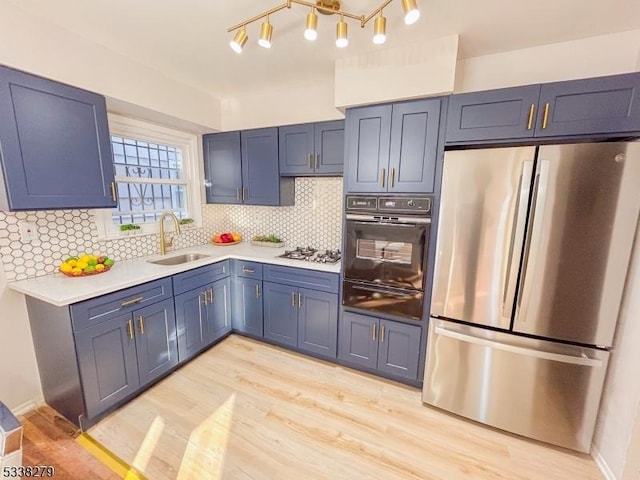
(179,259)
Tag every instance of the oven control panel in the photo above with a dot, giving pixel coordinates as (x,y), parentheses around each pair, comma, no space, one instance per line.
(416,204)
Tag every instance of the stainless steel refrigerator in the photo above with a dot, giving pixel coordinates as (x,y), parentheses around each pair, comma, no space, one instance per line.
(532,255)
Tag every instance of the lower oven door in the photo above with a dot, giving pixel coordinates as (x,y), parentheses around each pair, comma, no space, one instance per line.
(389,253)
(401,302)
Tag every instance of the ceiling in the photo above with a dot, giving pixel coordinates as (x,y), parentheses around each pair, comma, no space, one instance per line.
(187,39)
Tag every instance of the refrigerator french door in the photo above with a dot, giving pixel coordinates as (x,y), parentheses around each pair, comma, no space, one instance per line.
(532,254)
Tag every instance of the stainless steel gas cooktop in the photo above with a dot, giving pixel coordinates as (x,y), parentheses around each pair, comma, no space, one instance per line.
(309,254)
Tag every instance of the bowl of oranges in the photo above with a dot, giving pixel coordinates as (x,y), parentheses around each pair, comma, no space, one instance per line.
(85,265)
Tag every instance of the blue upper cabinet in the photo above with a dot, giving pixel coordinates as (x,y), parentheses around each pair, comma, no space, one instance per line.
(593,106)
(242,168)
(414,146)
(50,135)
(312,149)
(495,114)
(393,148)
(608,106)
(223,167)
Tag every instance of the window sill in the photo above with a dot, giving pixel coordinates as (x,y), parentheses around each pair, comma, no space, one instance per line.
(110,238)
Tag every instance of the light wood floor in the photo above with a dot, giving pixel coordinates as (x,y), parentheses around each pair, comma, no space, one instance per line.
(49,440)
(246,410)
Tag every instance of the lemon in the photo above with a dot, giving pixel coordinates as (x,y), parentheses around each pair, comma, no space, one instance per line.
(76,271)
(66,268)
(81,265)
(72,262)
(99,267)
(85,258)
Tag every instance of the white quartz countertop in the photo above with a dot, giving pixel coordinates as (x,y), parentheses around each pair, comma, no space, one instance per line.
(60,290)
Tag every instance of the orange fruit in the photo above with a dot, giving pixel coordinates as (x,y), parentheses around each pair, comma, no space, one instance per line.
(236,237)
(217,239)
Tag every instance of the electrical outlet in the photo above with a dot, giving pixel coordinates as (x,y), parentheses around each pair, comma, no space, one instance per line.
(28,232)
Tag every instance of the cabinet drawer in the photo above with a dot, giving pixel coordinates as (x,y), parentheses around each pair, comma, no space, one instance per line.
(183,282)
(92,312)
(302,277)
(242,268)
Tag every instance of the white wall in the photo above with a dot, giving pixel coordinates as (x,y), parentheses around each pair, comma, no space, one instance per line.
(19,377)
(36,46)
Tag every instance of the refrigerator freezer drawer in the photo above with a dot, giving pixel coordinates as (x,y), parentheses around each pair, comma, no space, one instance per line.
(538,389)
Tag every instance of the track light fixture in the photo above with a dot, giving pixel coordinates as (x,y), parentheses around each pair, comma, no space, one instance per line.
(311,26)
(411,12)
(266,31)
(239,40)
(380,29)
(325,7)
(342,33)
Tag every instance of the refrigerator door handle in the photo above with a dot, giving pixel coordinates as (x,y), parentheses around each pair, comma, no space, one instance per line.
(517,238)
(582,360)
(534,237)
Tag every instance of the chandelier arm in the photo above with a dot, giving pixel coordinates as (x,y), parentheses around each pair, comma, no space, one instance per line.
(282,6)
(369,17)
(361,18)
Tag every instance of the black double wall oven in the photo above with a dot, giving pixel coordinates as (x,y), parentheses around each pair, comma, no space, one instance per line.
(385,255)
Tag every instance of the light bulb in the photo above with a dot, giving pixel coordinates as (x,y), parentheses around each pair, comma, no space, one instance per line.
(411,12)
(266,30)
(342,39)
(239,40)
(311,28)
(379,30)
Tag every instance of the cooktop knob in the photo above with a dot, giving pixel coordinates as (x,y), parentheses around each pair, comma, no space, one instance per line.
(411,203)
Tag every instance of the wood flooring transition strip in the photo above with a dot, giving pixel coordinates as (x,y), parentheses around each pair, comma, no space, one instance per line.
(113,462)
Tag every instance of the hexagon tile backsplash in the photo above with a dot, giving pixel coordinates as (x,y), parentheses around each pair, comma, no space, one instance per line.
(314,220)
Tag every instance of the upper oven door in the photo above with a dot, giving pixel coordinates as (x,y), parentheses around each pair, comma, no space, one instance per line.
(386,252)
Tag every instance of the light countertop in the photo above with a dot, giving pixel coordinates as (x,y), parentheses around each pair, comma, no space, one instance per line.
(61,290)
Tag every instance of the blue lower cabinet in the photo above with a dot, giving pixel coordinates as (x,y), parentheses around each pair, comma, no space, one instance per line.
(247,306)
(219,315)
(108,364)
(318,322)
(384,345)
(191,322)
(156,342)
(281,313)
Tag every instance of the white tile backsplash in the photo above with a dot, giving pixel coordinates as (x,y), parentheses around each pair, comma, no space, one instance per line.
(314,220)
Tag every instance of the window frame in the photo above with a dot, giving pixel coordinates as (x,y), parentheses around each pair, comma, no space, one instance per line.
(192,173)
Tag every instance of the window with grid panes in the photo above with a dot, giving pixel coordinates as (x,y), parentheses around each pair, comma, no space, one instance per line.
(149,181)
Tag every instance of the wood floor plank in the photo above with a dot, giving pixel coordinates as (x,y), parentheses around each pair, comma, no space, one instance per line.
(251,411)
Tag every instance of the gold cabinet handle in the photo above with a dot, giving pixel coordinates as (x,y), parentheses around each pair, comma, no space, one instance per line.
(310,160)
(141,324)
(374,332)
(381,333)
(545,116)
(210,295)
(238,193)
(205,301)
(299,300)
(532,110)
(130,329)
(293,299)
(393,176)
(257,291)
(244,194)
(317,161)
(382,177)
(132,301)
(113,191)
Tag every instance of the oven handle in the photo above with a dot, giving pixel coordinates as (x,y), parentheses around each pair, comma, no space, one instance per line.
(382,290)
(367,219)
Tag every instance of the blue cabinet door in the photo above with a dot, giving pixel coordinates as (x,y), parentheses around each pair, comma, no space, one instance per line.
(492,115)
(280,313)
(223,167)
(329,148)
(247,306)
(107,360)
(296,149)
(368,135)
(156,342)
(358,339)
(590,106)
(260,175)
(192,322)
(318,322)
(414,146)
(219,309)
(51,135)
(399,349)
